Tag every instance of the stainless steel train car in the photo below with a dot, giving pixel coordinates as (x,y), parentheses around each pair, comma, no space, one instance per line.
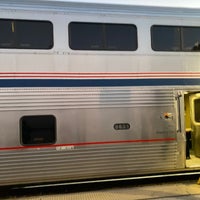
(91,91)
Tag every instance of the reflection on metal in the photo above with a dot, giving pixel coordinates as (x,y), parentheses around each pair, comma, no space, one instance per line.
(13,26)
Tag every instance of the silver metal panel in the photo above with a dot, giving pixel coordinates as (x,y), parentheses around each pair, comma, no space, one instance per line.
(85,133)
(90,114)
(68,98)
(38,165)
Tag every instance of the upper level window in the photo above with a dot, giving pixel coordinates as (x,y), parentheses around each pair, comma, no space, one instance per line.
(26,34)
(175,38)
(100,36)
(165,38)
(191,38)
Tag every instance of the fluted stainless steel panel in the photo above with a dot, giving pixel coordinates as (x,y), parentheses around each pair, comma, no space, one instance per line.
(38,165)
(88,115)
(58,98)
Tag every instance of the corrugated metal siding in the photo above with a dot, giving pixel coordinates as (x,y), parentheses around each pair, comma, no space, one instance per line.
(23,166)
(58,98)
(87,161)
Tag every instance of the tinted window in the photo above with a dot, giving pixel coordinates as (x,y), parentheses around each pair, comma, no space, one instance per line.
(99,36)
(165,38)
(85,36)
(121,37)
(191,38)
(24,34)
(175,38)
(6,34)
(38,130)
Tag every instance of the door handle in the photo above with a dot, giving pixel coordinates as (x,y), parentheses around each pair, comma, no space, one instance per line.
(179,112)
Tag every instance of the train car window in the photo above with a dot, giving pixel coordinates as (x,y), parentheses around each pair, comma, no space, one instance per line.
(26,34)
(100,36)
(38,130)
(6,33)
(85,36)
(191,38)
(165,38)
(197,110)
(121,37)
(175,38)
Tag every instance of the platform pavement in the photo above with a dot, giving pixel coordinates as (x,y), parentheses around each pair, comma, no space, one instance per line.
(184,190)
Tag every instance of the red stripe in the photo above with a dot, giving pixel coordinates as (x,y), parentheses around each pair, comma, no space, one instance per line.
(89,143)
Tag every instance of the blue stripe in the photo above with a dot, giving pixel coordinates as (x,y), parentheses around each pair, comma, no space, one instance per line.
(95,82)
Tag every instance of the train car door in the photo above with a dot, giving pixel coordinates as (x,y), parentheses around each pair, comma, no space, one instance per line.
(195,122)
(192,127)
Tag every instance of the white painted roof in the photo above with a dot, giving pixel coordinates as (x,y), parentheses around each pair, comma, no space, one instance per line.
(60,5)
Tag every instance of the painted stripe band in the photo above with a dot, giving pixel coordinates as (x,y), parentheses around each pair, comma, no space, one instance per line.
(96,82)
(97,79)
(88,144)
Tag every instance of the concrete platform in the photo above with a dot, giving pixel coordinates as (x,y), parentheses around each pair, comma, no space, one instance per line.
(184,190)
(97,196)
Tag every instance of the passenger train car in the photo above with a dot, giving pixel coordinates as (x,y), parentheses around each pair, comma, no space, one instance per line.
(92,91)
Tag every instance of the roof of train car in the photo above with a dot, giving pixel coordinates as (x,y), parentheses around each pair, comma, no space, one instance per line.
(70,5)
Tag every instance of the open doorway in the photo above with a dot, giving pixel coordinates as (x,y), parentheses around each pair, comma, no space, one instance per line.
(192,128)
